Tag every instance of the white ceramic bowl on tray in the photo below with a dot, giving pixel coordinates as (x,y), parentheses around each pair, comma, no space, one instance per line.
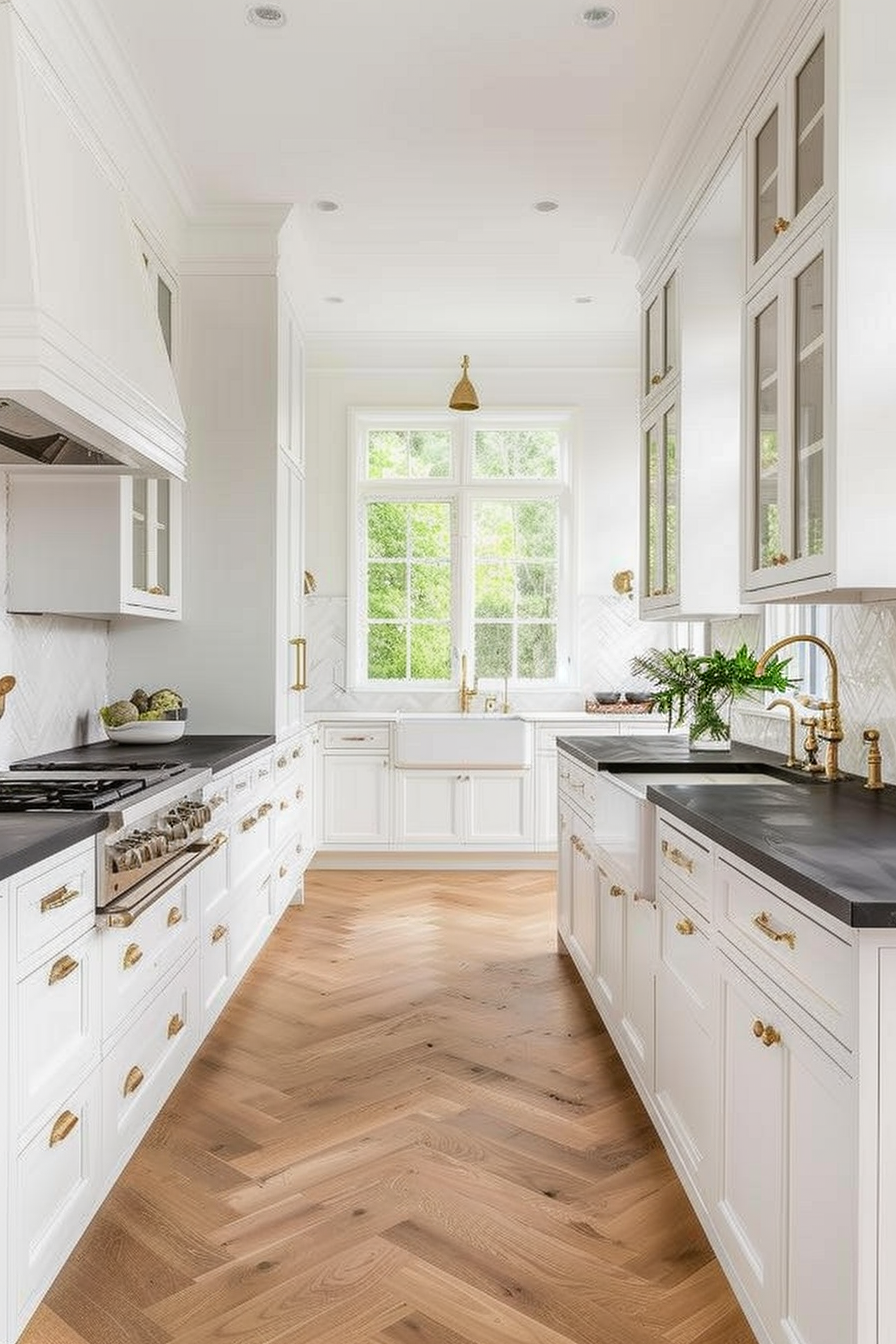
(147,730)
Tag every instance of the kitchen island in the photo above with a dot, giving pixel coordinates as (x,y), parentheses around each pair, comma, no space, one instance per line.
(745,968)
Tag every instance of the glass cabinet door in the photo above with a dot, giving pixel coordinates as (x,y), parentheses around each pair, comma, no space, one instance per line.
(661,540)
(660,335)
(155,520)
(767,475)
(809,129)
(808,426)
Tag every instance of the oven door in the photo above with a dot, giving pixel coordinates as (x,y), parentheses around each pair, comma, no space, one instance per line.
(121,913)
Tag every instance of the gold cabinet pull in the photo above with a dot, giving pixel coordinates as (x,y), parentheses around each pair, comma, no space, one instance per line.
(780,226)
(283,870)
(763,922)
(132,954)
(133,1081)
(62,1127)
(300,683)
(675,856)
(768,1035)
(265,809)
(685,926)
(616,890)
(297,752)
(217,841)
(282,761)
(657,379)
(61,968)
(300,793)
(217,800)
(175,915)
(284,804)
(248,822)
(54,900)
(175,1025)
(219,932)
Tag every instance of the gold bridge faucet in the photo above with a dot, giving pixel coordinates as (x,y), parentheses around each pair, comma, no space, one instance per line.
(467,693)
(830,729)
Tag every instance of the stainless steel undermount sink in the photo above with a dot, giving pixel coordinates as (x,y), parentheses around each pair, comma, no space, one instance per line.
(476,741)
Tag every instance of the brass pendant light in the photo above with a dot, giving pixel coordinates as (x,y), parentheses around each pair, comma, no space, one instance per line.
(464,397)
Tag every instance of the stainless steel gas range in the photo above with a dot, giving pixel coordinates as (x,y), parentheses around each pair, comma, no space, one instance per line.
(156,831)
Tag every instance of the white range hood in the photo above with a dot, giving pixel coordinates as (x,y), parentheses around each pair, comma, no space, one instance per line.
(80,345)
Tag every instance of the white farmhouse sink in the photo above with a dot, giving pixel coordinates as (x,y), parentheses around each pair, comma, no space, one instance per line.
(477,741)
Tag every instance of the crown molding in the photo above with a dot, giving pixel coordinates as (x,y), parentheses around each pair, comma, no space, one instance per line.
(373,352)
(233,240)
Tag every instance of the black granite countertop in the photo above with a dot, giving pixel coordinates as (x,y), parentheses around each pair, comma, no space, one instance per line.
(217,752)
(833,843)
(28,838)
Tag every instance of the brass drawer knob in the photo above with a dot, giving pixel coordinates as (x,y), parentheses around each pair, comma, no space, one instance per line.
(248,822)
(780,226)
(61,969)
(616,890)
(62,1127)
(175,1025)
(219,932)
(175,915)
(685,926)
(282,761)
(265,809)
(768,1035)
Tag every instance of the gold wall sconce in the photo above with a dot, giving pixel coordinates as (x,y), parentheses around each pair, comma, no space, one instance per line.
(464,397)
(624,582)
(6,685)
(301,681)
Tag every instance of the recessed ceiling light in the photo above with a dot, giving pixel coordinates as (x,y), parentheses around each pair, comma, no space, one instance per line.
(583,298)
(334,298)
(326,206)
(597,16)
(545,207)
(266,16)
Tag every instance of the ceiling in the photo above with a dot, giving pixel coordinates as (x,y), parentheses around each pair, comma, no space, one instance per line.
(435,128)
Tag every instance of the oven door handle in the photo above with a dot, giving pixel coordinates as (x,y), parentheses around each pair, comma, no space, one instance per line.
(123,913)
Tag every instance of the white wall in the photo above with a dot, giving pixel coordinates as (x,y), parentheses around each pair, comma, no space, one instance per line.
(599,384)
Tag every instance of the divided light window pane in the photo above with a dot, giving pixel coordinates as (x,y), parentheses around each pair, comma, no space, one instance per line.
(408,454)
(516,454)
(408,590)
(515,544)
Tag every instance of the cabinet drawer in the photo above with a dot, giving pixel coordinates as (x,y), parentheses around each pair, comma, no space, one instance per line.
(808,960)
(51,900)
(292,755)
(293,797)
(356,737)
(56,1187)
(576,782)
(250,840)
(685,864)
(57,1025)
(137,958)
(218,795)
(140,1071)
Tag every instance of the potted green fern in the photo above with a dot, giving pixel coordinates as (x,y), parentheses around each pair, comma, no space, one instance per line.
(700,689)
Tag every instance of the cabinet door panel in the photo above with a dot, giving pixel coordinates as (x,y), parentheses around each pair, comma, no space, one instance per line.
(356,800)
(429,807)
(499,808)
(638,985)
(611,917)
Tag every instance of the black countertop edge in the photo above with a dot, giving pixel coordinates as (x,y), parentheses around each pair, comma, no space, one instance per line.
(27,838)
(668,753)
(218,752)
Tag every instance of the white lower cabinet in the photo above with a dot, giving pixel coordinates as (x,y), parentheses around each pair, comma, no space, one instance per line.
(686,1041)
(787,1169)
(611,898)
(356,798)
(445,808)
(638,985)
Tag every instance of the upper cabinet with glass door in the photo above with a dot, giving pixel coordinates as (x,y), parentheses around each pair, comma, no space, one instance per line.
(659,338)
(659,531)
(791,141)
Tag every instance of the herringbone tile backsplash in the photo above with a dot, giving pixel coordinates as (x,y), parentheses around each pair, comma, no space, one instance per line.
(60,664)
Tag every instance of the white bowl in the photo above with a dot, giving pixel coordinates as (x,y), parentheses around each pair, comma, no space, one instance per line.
(147,730)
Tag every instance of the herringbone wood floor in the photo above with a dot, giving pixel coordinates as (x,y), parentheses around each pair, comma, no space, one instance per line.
(408,1127)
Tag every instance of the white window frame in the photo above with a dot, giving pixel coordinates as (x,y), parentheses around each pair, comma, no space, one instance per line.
(460,488)
(780,619)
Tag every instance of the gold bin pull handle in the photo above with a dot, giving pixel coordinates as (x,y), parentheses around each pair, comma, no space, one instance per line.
(62,1127)
(132,954)
(62,968)
(674,855)
(763,923)
(133,1081)
(55,900)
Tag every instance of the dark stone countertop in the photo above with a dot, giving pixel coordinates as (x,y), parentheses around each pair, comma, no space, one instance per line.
(28,838)
(833,844)
(217,752)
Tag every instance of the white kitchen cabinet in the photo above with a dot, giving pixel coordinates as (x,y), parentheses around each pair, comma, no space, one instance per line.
(787,1167)
(290,382)
(660,336)
(291,661)
(482,809)
(639,953)
(691,421)
(577,875)
(356,800)
(96,546)
(611,921)
(791,152)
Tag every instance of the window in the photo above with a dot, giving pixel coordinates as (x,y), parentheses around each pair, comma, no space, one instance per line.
(460,531)
(808,665)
